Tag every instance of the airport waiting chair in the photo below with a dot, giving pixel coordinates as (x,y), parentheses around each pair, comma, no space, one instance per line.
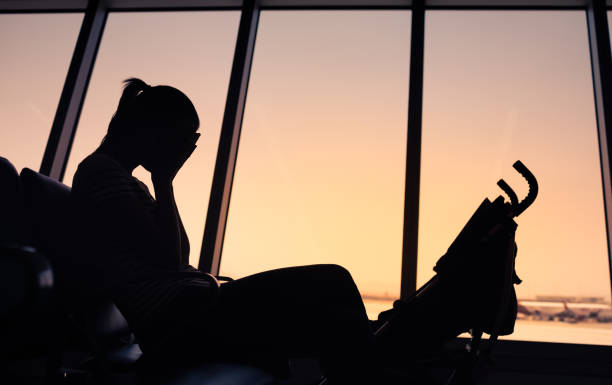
(44,309)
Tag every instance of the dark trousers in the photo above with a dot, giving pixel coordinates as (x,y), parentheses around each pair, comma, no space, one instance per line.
(305,311)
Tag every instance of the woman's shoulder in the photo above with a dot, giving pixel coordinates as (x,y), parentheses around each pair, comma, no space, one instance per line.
(97,169)
(96,162)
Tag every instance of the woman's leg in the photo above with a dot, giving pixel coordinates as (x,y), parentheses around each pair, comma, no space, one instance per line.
(306,311)
(311,311)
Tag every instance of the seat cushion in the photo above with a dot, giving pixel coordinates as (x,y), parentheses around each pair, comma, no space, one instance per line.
(217,374)
(47,202)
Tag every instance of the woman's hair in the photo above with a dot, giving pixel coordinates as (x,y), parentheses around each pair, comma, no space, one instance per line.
(143,108)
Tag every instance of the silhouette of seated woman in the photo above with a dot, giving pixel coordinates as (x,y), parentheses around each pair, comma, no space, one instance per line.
(141,261)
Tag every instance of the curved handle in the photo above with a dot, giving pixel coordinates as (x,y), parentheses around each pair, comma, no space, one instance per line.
(533,187)
(508,190)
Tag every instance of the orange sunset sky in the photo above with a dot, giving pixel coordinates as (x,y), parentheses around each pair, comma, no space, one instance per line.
(320,172)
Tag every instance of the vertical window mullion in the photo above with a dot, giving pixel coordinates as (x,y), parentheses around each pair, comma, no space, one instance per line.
(218,205)
(71,101)
(413,152)
(601,65)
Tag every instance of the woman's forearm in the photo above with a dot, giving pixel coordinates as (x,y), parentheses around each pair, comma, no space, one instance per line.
(168,219)
(183,237)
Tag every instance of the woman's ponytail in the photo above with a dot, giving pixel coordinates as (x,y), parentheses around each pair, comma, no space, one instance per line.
(131,89)
(126,108)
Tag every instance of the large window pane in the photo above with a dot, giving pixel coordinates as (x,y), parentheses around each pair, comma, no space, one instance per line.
(191,51)
(320,172)
(36,52)
(502,86)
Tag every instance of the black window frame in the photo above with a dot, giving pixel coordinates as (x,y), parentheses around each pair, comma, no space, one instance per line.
(79,73)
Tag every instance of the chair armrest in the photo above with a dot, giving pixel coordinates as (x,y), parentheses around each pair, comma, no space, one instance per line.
(28,317)
(26,281)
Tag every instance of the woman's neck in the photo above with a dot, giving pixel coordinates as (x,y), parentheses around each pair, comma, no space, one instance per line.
(119,153)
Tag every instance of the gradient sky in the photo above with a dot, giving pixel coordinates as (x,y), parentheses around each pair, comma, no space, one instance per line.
(501,86)
(320,172)
(36,52)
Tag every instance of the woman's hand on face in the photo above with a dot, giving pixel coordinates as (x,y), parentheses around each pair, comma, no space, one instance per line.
(175,154)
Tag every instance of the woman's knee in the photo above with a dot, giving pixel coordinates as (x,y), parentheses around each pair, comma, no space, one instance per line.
(330,271)
(339,272)
(332,275)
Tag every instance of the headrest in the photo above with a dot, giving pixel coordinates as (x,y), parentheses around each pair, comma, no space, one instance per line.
(55,232)
(49,212)
(43,189)
(11,205)
(47,202)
